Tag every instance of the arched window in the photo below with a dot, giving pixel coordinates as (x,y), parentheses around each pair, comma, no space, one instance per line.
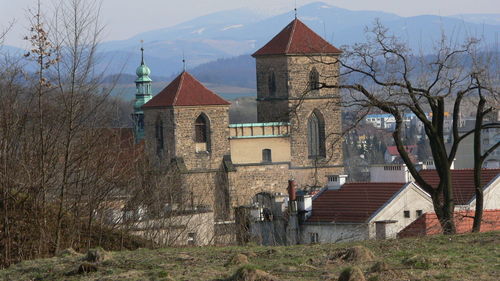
(316,135)
(159,137)
(202,133)
(271,83)
(266,155)
(314,80)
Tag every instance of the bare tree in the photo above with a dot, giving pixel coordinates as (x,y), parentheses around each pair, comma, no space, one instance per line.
(384,73)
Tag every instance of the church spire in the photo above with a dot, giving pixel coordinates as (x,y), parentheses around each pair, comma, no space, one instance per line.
(142,96)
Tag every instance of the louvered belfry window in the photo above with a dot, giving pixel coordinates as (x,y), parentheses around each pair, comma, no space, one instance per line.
(201,129)
(314,80)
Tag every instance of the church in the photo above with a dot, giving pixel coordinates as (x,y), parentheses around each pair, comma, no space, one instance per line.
(220,166)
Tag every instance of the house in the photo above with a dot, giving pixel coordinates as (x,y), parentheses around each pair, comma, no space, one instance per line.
(465,202)
(366,210)
(391,154)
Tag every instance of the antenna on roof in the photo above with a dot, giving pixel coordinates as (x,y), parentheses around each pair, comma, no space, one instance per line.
(295,9)
(142,51)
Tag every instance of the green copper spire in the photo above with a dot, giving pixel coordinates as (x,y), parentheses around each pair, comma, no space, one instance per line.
(142,96)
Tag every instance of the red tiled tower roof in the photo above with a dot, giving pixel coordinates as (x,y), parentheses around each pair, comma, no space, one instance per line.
(185,90)
(353,202)
(462,182)
(297,38)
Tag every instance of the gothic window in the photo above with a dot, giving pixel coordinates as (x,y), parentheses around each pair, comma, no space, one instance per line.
(316,135)
(159,137)
(271,83)
(266,155)
(314,80)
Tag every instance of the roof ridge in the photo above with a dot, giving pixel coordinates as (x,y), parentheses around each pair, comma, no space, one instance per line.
(179,88)
(291,35)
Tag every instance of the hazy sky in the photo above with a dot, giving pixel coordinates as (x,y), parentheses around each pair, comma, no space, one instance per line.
(125,18)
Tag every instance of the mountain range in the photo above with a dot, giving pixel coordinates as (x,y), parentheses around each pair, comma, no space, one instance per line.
(218,37)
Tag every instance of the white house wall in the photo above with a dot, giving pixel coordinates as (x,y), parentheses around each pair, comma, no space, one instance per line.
(410,199)
(491,197)
(333,232)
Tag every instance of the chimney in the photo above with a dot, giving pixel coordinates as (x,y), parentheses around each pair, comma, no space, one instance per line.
(336,181)
(292,188)
(390,173)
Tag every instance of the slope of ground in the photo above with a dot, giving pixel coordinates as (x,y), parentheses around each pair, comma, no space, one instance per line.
(461,257)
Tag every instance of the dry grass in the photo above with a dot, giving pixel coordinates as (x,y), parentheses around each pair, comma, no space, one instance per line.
(472,257)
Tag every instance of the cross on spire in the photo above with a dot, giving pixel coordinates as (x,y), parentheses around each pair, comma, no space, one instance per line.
(295,9)
(183,61)
(142,52)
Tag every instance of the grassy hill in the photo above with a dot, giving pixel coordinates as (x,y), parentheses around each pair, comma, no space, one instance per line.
(461,257)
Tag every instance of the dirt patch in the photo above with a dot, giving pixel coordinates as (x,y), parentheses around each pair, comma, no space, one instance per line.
(353,254)
(238,259)
(252,274)
(352,274)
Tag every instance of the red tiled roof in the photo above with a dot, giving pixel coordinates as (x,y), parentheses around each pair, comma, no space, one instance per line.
(462,181)
(185,90)
(393,150)
(353,202)
(297,38)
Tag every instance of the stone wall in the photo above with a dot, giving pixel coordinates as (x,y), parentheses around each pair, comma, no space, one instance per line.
(272,108)
(218,146)
(249,180)
(151,117)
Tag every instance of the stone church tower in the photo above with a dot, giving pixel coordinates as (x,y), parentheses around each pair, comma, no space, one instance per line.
(290,71)
(187,120)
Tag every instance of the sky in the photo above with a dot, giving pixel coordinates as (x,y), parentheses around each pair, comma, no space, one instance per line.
(126,18)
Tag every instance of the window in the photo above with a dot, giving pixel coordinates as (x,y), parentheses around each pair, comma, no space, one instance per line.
(191,238)
(202,134)
(419,213)
(314,236)
(316,136)
(266,155)
(314,80)
(159,137)
(271,83)
(200,127)
(406,214)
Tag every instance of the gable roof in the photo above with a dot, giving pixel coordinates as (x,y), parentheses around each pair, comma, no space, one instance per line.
(353,202)
(297,38)
(185,90)
(462,181)
(393,150)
